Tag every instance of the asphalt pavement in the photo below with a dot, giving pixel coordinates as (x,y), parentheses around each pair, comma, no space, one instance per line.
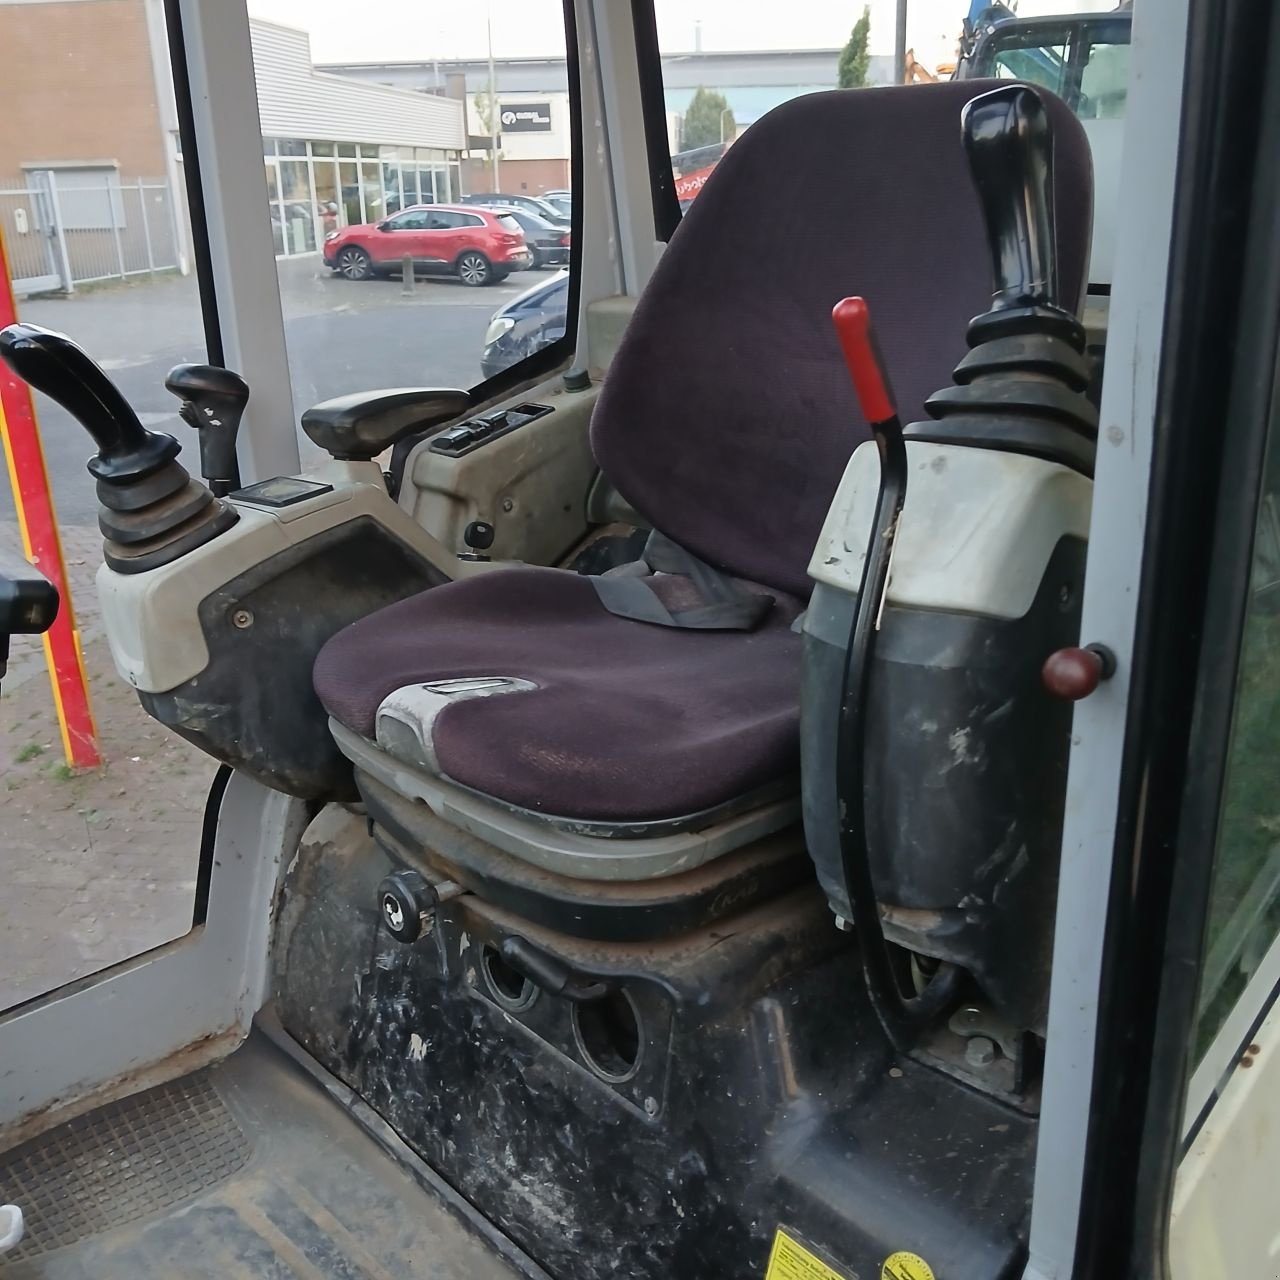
(342,336)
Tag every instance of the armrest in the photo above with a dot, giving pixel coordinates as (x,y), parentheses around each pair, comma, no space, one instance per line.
(358,427)
(28,602)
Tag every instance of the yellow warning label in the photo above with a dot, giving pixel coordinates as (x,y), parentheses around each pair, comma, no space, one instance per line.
(790,1260)
(906,1266)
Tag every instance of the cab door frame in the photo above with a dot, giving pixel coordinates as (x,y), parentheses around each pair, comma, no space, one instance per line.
(1117,1110)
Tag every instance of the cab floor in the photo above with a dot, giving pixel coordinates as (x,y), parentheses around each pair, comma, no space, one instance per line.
(247,1169)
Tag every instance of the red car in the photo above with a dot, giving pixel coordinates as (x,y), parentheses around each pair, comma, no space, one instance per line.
(477,246)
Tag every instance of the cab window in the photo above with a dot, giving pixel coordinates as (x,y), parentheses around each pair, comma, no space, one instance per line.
(1244,907)
(363,120)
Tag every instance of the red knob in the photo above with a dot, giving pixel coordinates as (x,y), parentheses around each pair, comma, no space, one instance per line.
(1072,674)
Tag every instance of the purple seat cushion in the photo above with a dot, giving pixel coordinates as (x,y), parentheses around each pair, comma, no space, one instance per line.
(727,415)
(629,722)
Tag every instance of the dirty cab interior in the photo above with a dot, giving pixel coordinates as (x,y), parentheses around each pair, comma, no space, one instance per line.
(665,760)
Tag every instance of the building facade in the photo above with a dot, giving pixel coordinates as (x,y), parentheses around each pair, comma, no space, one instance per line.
(532,96)
(91,184)
(340,151)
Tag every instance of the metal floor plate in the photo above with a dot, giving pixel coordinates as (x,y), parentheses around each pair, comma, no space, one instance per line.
(122,1162)
(247,1169)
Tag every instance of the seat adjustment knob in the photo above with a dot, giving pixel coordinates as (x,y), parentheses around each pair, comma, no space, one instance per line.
(407,903)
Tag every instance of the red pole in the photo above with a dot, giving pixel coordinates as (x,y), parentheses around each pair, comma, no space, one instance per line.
(33,499)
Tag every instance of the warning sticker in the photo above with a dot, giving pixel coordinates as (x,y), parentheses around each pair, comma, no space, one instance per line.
(790,1260)
(906,1266)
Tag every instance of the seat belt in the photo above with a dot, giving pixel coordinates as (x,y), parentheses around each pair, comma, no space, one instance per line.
(628,592)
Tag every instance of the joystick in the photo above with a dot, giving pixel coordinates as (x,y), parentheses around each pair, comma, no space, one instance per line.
(1021,388)
(213,401)
(151,510)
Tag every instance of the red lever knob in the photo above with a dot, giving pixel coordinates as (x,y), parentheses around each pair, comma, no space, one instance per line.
(1072,674)
(852,320)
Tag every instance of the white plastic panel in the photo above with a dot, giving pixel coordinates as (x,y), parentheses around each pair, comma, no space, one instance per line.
(977,529)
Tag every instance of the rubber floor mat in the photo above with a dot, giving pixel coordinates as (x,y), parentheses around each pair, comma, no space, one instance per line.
(247,1169)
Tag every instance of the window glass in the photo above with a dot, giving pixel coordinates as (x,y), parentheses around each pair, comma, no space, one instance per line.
(1039,63)
(723,68)
(349,324)
(97,864)
(1244,909)
(409,222)
(1104,82)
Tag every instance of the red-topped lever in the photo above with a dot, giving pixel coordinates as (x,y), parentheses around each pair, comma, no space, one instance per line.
(901,1014)
(852,319)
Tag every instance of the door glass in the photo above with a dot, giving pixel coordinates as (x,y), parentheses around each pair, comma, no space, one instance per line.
(723,68)
(413,95)
(1244,909)
(1104,82)
(97,864)
(1038,62)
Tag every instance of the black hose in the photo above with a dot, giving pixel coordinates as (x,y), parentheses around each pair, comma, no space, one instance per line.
(901,1016)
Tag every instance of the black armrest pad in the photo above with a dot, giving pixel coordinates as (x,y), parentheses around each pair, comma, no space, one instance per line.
(360,426)
(28,601)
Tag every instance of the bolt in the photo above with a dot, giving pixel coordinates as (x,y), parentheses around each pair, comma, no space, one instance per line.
(508,504)
(651,1107)
(242,618)
(980,1052)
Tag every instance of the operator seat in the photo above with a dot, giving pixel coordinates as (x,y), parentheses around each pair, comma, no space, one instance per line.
(726,421)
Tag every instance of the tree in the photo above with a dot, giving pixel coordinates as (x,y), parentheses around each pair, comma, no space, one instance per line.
(854,59)
(708,119)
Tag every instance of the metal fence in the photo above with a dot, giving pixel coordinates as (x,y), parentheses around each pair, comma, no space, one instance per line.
(62,229)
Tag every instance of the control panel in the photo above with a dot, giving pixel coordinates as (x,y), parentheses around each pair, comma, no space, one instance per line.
(474,432)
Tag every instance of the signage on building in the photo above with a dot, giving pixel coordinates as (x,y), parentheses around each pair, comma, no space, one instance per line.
(525,117)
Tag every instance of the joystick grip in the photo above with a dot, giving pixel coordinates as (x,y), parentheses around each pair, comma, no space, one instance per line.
(1009,144)
(52,363)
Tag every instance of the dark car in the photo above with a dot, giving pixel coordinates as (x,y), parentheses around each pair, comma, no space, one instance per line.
(532,204)
(477,246)
(527,324)
(549,244)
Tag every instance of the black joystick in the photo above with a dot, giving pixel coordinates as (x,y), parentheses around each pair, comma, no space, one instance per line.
(1021,388)
(151,511)
(213,402)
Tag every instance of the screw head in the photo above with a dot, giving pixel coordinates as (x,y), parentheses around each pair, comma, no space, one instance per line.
(242,618)
(508,504)
(651,1107)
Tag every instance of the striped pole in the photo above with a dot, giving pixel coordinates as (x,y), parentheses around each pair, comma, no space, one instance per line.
(33,499)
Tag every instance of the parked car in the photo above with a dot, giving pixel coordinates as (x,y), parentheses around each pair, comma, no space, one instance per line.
(476,245)
(561,200)
(527,324)
(534,204)
(548,244)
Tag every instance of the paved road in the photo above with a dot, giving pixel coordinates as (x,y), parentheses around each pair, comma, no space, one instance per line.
(343,336)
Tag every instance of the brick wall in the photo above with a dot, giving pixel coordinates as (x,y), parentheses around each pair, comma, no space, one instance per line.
(518,177)
(78,85)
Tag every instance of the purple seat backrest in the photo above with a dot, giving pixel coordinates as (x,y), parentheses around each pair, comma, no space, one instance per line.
(727,415)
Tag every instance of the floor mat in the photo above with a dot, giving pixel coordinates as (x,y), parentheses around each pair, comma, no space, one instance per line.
(247,1169)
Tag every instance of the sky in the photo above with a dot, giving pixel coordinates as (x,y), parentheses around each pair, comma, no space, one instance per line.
(423,29)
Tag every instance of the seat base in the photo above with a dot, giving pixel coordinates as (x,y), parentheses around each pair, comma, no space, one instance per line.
(626,851)
(604,910)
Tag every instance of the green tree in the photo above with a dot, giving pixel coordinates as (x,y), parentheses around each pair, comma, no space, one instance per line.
(707,120)
(854,58)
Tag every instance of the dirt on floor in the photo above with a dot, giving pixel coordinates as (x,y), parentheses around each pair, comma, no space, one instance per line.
(100,865)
